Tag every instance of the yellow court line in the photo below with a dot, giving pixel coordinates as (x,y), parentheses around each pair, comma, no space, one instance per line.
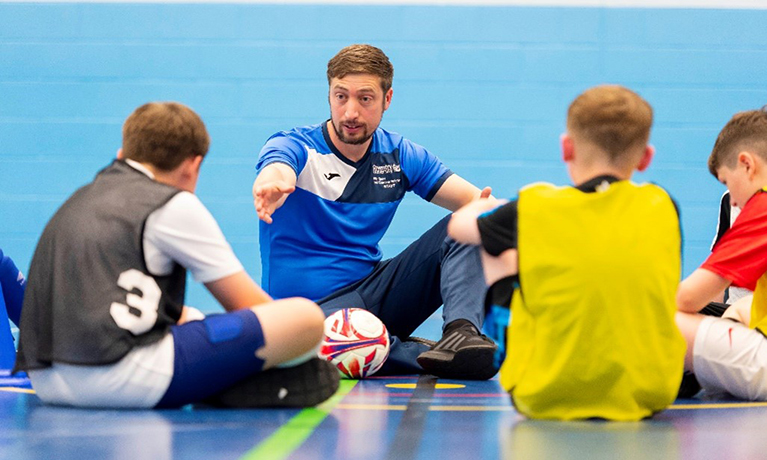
(439,386)
(398,407)
(718,405)
(17,390)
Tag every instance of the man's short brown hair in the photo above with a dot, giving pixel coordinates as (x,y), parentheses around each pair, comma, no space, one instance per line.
(362,59)
(745,131)
(164,134)
(614,118)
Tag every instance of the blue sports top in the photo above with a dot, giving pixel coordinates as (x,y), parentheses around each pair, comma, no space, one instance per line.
(326,234)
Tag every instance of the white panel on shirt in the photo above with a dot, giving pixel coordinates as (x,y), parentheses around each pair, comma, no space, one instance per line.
(734,213)
(733,293)
(184,231)
(325,175)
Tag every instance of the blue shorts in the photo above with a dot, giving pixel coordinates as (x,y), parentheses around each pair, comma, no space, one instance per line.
(13,285)
(212,355)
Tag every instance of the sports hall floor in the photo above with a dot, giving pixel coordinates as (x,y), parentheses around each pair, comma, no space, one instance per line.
(402,418)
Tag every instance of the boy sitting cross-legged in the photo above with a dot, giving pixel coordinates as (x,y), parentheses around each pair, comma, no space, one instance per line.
(103,322)
(729,354)
(594,269)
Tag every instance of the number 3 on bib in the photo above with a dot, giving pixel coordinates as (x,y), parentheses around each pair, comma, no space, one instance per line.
(147,303)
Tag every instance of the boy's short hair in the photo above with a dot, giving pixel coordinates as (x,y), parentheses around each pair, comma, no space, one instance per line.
(164,134)
(745,131)
(360,58)
(614,118)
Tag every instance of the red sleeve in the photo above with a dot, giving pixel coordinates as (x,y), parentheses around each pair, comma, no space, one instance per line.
(741,254)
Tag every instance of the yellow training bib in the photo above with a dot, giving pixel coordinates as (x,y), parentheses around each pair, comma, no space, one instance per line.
(592,331)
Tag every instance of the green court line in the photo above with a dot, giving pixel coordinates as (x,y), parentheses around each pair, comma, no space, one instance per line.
(292,434)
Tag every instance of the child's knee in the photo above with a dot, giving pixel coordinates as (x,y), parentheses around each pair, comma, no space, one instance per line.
(315,318)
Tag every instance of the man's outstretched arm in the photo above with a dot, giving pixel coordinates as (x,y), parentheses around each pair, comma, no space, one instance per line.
(271,188)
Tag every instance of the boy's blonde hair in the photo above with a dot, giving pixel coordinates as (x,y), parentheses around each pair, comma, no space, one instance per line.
(614,118)
(164,134)
(364,59)
(744,131)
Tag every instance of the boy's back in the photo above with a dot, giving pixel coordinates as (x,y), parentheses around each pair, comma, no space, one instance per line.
(592,332)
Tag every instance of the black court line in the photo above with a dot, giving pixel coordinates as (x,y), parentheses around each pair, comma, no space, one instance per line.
(407,439)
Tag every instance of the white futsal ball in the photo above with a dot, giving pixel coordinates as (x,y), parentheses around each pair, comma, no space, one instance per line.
(356,342)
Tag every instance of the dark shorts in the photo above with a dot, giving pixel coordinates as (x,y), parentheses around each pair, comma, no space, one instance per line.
(212,355)
(403,291)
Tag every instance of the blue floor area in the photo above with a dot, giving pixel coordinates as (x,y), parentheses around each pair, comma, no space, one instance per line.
(378,418)
(461,420)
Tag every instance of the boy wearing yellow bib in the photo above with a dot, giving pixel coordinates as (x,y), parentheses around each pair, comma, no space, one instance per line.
(594,269)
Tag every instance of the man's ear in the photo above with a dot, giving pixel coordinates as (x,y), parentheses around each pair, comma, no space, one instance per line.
(568,147)
(387,99)
(120,154)
(647,156)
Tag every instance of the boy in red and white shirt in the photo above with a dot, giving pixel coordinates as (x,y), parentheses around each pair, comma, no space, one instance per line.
(729,354)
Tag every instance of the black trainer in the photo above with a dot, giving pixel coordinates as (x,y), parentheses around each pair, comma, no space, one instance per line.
(428,342)
(304,385)
(689,386)
(461,353)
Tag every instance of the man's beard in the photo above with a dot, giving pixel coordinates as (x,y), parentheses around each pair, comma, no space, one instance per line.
(361,140)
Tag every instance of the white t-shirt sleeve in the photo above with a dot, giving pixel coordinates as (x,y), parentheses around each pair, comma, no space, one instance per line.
(184,231)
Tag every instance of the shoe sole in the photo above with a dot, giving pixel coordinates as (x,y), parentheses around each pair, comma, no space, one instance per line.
(305,385)
(430,343)
(469,363)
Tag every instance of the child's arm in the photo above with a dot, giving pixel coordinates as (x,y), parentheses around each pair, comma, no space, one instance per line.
(502,266)
(237,291)
(463,224)
(698,289)
(463,228)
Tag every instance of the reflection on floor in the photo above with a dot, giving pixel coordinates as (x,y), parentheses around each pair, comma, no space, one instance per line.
(376,419)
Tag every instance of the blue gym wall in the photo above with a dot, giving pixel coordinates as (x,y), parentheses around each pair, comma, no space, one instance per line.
(485,88)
